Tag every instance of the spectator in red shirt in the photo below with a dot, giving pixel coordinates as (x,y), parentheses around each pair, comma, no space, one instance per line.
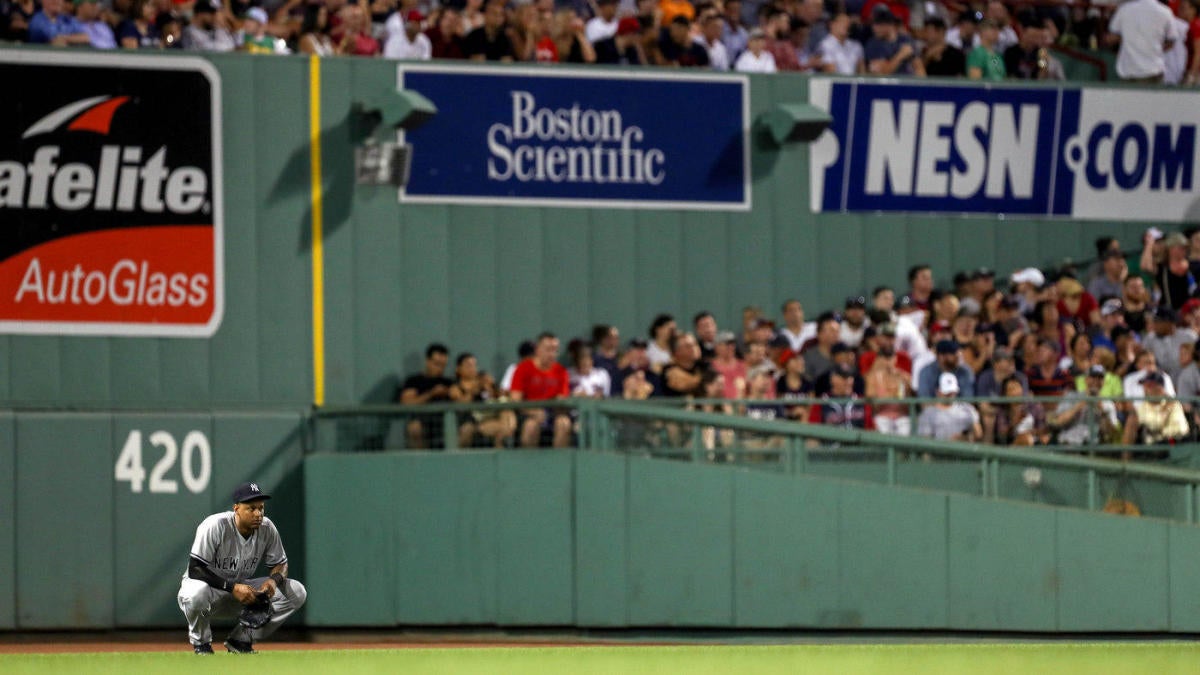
(885,345)
(1077,305)
(444,35)
(1189,11)
(543,378)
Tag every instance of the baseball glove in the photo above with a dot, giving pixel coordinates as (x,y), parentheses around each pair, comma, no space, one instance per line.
(256,614)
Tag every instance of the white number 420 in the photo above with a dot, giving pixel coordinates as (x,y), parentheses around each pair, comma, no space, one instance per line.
(195,446)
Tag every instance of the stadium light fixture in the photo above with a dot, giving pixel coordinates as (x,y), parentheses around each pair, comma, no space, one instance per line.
(388,162)
(794,123)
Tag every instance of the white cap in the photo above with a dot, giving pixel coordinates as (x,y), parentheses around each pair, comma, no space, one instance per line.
(948,383)
(258,14)
(1029,275)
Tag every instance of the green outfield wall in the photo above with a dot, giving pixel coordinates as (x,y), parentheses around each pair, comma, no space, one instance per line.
(513,539)
(603,540)
(88,542)
(480,278)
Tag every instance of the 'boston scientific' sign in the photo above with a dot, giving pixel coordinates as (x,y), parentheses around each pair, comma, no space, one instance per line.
(572,138)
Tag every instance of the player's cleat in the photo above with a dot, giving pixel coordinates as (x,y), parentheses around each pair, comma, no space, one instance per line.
(239,647)
(203,648)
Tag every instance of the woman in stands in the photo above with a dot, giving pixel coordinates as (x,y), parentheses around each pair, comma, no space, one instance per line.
(314,32)
(1048,323)
(570,44)
(792,385)
(473,386)
(713,385)
(586,379)
(139,30)
(1079,358)
(525,31)
(1013,423)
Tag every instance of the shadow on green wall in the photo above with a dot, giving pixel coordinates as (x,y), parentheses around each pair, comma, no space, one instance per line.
(337,177)
(764,153)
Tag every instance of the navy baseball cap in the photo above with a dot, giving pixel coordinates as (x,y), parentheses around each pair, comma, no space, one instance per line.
(842,371)
(947,347)
(248,492)
(1164,313)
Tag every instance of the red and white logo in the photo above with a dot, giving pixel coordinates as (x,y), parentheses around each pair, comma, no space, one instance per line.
(90,114)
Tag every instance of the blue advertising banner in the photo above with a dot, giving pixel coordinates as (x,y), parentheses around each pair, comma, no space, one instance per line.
(553,137)
(1078,153)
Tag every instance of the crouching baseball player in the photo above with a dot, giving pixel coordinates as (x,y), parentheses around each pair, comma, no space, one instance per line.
(228,549)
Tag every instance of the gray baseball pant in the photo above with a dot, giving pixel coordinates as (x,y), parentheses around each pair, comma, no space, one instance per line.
(201,603)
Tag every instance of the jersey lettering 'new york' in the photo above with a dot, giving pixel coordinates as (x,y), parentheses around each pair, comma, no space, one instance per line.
(232,556)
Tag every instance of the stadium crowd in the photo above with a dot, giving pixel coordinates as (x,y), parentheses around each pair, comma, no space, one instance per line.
(990,40)
(1074,357)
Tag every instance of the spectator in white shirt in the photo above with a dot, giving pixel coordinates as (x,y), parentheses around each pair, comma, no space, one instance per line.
(1145,30)
(405,39)
(586,379)
(1175,60)
(839,53)
(604,24)
(756,59)
(711,28)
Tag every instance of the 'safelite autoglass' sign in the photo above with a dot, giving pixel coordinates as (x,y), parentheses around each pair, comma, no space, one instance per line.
(110,196)
(1079,153)
(576,138)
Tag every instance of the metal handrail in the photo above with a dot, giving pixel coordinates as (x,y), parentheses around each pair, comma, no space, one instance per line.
(799,444)
(666,410)
(911,444)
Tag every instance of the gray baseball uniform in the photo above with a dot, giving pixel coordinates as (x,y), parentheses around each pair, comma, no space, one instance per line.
(234,558)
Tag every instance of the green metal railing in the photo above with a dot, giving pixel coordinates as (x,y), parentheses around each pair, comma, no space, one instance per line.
(1078,476)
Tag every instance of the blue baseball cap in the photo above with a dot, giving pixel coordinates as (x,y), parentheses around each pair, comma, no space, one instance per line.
(248,492)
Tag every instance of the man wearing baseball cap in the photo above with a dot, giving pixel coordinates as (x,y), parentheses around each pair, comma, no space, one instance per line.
(1171,271)
(1082,422)
(1164,340)
(1158,418)
(219,581)
(948,362)
(949,419)
(404,37)
(254,32)
(1112,314)
(208,30)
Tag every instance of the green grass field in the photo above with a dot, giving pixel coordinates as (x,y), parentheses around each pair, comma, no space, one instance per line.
(976,659)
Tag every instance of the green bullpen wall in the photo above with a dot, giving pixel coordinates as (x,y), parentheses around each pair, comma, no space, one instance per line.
(479,278)
(602,540)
